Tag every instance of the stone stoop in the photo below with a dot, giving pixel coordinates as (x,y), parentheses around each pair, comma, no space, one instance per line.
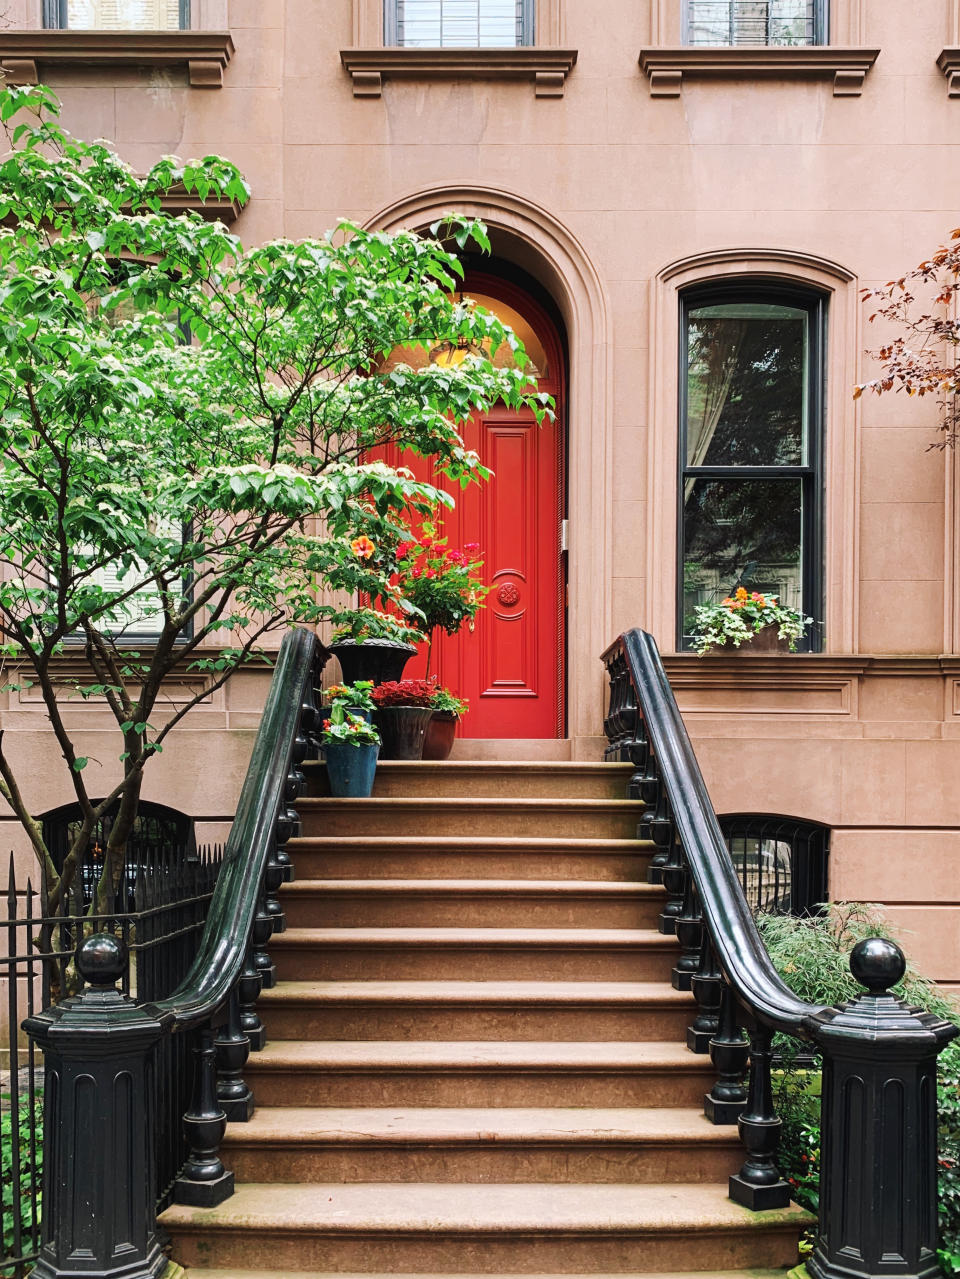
(475,1060)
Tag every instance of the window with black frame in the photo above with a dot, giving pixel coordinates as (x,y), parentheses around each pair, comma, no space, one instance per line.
(746,22)
(750,509)
(458,24)
(117,15)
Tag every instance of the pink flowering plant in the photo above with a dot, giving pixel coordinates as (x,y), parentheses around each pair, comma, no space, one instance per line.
(442,583)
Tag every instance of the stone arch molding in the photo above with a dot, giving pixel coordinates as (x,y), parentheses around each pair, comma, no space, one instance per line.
(526,234)
(842,425)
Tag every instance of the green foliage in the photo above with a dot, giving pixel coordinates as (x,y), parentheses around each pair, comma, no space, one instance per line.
(812,957)
(190,493)
(444,700)
(27,1208)
(344,726)
(356,696)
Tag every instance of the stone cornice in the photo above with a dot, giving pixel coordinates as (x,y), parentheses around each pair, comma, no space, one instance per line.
(546,67)
(666,68)
(204,53)
(949,64)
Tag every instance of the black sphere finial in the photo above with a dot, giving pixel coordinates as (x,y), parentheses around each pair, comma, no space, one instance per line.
(102,959)
(877,964)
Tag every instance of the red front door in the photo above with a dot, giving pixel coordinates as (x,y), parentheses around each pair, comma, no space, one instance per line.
(509,664)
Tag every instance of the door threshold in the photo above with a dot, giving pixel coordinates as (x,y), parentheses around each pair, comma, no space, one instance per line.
(512,748)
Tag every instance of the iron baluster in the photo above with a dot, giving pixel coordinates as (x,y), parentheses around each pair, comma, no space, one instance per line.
(729,1052)
(248,990)
(204,1181)
(689,930)
(233,1049)
(260,936)
(673,876)
(707,986)
(758,1185)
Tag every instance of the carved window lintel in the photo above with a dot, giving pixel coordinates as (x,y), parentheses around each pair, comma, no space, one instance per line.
(547,68)
(205,53)
(949,64)
(667,68)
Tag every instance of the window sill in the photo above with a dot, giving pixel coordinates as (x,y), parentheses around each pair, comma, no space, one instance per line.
(547,68)
(204,53)
(666,68)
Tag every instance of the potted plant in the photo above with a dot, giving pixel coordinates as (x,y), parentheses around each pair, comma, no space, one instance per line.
(351,747)
(370,643)
(441,583)
(404,709)
(442,729)
(352,697)
(748,618)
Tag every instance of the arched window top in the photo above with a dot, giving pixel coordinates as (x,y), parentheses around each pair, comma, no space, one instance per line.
(458,24)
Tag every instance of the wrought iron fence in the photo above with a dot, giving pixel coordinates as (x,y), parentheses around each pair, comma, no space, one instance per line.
(162,905)
(781,862)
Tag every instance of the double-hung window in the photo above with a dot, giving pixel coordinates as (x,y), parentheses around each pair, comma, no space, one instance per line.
(117,15)
(751,397)
(733,22)
(458,24)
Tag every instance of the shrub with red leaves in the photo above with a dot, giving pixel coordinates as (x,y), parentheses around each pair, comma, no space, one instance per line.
(406,692)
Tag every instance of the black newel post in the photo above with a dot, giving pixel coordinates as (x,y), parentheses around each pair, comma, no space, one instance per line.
(878,1180)
(99,1191)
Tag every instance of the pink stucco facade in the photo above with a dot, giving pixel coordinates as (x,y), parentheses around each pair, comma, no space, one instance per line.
(616,186)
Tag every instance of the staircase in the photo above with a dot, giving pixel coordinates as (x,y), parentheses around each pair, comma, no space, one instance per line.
(476,1060)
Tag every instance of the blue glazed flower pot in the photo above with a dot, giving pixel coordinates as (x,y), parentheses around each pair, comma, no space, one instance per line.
(351,769)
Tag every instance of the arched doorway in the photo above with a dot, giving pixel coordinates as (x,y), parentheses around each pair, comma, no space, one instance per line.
(509,664)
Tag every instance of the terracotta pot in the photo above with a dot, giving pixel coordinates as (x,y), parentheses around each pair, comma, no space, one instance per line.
(441,732)
(765,642)
(379,660)
(402,730)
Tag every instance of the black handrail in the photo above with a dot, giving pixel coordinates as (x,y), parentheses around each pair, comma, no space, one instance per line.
(252,837)
(737,943)
(878,1184)
(102,1045)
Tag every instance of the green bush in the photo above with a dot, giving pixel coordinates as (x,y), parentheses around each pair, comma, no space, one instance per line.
(812,955)
(29,1204)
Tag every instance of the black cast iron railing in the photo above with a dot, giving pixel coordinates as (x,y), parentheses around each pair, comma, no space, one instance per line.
(878,1206)
(168,892)
(117,1144)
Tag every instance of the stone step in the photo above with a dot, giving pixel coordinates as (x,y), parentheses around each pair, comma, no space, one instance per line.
(446,1010)
(203,1273)
(482,1073)
(489,1229)
(534,779)
(476,1144)
(476,903)
(469,857)
(451,815)
(473,954)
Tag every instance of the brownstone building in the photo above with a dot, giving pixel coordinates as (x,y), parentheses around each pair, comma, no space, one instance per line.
(661,179)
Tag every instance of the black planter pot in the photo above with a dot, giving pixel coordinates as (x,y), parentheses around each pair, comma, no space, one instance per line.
(402,730)
(377,659)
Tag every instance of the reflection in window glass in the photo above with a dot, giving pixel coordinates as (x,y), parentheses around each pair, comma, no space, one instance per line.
(746,385)
(753,22)
(741,533)
(123,15)
(465,24)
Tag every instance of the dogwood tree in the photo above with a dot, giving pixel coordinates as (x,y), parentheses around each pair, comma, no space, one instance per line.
(183,424)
